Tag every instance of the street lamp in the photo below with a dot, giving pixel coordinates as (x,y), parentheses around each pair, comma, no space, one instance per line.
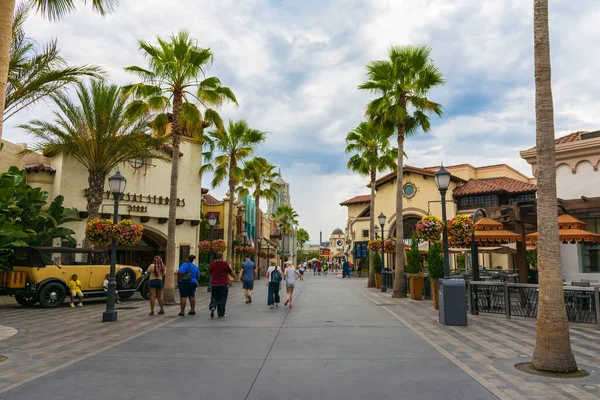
(245,235)
(116,185)
(442,180)
(382,219)
(212,221)
(259,240)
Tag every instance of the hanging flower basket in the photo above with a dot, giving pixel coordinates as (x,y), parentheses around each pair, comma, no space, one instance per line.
(460,229)
(127,233)
(99,232)
(239,249)
(430,228)
(219,246)
(390,246)
(249,250)
(271,255)
(374,245)
(263,254)
(204,247)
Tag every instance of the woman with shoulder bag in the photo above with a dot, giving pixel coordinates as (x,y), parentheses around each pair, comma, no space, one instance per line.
(187,277)
(156,270)
(274,276)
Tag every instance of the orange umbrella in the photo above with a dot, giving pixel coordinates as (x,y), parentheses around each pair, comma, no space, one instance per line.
(571,230)
(488,231)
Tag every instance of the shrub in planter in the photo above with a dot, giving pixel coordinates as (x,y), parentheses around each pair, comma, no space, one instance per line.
(435,266)
(413,269)
(98,231)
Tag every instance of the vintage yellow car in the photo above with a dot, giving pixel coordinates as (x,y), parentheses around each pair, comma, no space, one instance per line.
(41,274)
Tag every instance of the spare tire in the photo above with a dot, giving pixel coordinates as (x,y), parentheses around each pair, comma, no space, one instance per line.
(125,279)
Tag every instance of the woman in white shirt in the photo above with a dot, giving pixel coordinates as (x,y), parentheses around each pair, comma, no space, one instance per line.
(290,282)
(274,276)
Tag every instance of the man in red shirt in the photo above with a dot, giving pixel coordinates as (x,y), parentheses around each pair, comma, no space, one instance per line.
(219,271)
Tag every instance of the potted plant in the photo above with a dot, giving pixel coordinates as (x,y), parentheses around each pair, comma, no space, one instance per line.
(413,269)
(435,266)
(219,246)
(128,233)
(376,268)
(99,232)
(459,229)
(204,246)
(390,246)
(430,228)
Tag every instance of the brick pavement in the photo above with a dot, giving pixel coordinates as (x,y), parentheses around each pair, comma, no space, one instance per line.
(489,346)
(50,339)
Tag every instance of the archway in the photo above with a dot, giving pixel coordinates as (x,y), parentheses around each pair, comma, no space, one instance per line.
(409,224)
(153,243)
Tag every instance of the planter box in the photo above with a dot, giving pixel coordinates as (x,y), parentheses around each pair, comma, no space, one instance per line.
(435,295)
(416,288)
(378,281)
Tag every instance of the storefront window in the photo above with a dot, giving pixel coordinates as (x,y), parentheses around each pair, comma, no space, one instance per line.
(591,259)
(184,252)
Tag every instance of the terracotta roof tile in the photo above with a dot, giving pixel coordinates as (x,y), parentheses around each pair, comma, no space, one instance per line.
(571,137)
(408,168)
(493,185)
(40,168)
(210,201)
(362,199)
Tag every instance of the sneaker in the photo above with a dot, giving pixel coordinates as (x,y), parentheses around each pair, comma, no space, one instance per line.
(276,304)
(192,313)
(72,305)
(181,314)
(290,305)
(249,299)
(271,307)
(80,305)
(151,313)
(212,312)
(161,312)
(118,302)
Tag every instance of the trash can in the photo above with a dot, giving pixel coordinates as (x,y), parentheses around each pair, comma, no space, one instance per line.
(453,302)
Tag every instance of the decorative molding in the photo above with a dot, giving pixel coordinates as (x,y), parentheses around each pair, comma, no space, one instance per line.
(162,220)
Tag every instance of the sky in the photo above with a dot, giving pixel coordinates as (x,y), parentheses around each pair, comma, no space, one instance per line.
(295,65)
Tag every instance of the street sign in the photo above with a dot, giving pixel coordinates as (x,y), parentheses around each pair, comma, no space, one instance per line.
(324,252)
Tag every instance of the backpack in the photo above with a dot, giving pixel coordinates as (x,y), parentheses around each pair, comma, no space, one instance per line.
(276,276)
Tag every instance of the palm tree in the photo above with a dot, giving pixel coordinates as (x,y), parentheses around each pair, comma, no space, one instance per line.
(259,177)
(302,237)
(52,9)
(402,83)
(287,220)
(174,81)
(95,133)
(235,145)
(33,75)
(373,153)
(553,344)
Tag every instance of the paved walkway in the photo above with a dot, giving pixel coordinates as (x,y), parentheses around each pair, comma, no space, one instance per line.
(334,344)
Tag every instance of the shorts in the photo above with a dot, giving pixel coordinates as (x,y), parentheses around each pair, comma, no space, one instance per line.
(77,293)
(248,284)
(290,284)
(156,284)
(301,272)
(187,289)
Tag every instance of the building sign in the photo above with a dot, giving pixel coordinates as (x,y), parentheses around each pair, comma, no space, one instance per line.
(143,198)
(324,252)
(360,250)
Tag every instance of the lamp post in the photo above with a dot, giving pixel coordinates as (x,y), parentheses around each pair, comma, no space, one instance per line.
(382,219)
(259,240)
(442,180)
(116,184)
(475,261)
(212,221)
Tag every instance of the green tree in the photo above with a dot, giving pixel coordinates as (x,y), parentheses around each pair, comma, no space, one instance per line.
(259,176)
(172,85)
(373,153)
(435,261)
(553,344)
(287,222)
(95,133)
(235,145)
(35,75)
(24,218)
(402,84)
(302,237)
(414,257)
(52,9)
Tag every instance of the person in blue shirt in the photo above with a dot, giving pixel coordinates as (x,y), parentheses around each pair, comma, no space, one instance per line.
(187,278)
(247,277)
(345,269)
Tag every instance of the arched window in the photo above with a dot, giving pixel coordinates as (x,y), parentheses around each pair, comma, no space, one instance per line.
(410,222)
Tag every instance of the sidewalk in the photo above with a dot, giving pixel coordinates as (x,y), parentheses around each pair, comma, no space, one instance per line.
(489,347)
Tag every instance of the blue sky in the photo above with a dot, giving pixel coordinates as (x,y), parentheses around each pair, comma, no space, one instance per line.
(295,66)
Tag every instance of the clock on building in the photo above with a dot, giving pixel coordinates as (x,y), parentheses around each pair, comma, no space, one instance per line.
(339,242)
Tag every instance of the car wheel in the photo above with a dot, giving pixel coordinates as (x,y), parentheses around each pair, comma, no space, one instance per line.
(27,299)
(145,290)
(52,295)
(125,295)
(125,279)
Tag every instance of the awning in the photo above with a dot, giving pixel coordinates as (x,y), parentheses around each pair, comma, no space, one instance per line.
(571,230)
(488,231)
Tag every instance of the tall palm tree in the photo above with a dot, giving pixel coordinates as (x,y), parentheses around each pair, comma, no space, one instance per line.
(287,220)
(302,237)
(95,133)
(402,83)
(34,75)
(52,9)
(172,84)
(259,176)
(373,153)
(235,145)
(553,344)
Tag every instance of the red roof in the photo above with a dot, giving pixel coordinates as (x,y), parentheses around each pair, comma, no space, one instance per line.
(210,201)
(408,169)
(493,185)
(571,137)
(363,199)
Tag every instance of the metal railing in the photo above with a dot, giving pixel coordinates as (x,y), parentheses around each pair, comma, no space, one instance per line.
(521,300)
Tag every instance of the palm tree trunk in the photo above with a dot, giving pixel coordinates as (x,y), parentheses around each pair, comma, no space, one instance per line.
(371,280)
(553,344)
(7,10)
(256,225)
(169,291)
(95,193)
(399,278)
(230,221)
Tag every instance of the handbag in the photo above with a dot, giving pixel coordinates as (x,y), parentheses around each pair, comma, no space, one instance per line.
(187,277)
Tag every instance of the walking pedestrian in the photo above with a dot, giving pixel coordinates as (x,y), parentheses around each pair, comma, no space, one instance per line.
(314,267)
(156,270)
(274,275)
(247,277)
(290,275)
(220,272)
(187,277)
(301,270)
(345,269)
